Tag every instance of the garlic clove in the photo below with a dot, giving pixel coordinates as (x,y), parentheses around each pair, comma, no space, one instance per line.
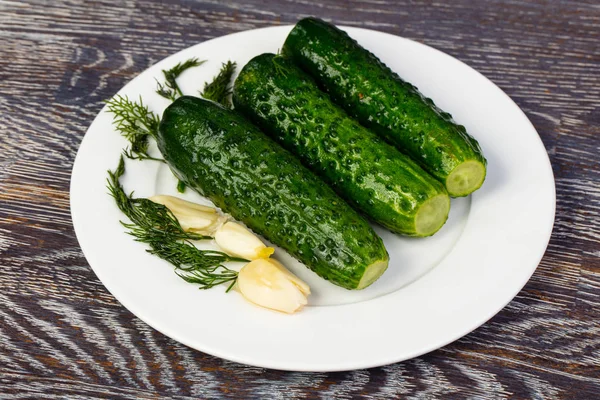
(267,283)
(236,240)
(304,288)
(191,216)
(183,205)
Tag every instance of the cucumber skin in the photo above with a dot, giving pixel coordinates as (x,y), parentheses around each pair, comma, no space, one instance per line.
(361,167)
(227,159)
(375,95)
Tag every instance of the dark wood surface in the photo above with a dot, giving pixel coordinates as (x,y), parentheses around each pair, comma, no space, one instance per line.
(62,335)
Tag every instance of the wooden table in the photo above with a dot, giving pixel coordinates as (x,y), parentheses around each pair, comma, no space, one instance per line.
(63,335)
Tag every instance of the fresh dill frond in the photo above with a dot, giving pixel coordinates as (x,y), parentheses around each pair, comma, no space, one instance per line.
(219,90)
(136,123)
(155,225)
(164,91)
(278,66)
(170,89)
(133,155)
(205,269)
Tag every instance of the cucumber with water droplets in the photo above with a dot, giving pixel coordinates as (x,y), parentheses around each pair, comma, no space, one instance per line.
(361,167)
(375,95)
(224,157)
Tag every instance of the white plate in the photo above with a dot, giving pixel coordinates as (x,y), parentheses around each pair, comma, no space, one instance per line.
(435,290)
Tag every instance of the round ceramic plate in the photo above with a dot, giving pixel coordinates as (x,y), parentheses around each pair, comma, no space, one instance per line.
(435,289)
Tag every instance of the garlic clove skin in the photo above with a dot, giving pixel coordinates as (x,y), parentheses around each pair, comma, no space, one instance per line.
(238,241)
(265,282)
(191,216)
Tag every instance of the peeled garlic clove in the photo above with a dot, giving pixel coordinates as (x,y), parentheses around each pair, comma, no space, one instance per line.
(236,240)
(267,283)
(180,204)
(304,288)
(191,216)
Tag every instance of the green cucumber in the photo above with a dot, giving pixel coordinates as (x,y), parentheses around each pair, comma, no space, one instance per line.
(224,157)
(362,168)
(375,95)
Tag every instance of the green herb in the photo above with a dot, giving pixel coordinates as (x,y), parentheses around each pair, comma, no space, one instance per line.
(281,69)
(219,90)
(155,225)
(136,123)
(170,90)
(181,186)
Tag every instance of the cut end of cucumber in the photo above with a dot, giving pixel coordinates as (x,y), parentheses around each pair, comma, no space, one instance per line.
(372,273)
(432,215)
(466,178)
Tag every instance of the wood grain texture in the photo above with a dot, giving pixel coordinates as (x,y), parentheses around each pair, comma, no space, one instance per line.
(62,335)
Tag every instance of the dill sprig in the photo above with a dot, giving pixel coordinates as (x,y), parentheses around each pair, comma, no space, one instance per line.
(155,225)
(136,123)
(219,90)
(170,89)
(279,68)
